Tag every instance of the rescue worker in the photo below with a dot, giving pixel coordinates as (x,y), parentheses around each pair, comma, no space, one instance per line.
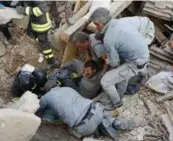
(81,114)
(91,48)
(143,24)
(83,77)
(29,78)
(121,41)
(39,25)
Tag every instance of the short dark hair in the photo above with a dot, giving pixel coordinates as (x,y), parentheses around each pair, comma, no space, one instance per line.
(80,37)
(92,64)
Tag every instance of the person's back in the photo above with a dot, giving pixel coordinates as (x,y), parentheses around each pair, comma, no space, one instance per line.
(143,24)
(67,103)
(127,40)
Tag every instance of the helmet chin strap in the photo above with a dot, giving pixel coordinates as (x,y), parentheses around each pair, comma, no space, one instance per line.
(34,86)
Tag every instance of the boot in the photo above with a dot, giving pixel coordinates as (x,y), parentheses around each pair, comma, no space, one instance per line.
(106,128)
(110,106)
(123,124)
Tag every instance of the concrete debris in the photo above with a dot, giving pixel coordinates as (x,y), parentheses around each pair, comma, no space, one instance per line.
(2,49)
(141,107)
(29,102)
(161,58)
(17,126)
(161,82)
(91,139)
(159,9)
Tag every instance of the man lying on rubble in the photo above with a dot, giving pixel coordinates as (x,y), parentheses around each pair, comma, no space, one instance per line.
(83,77)
(29,78)
(121,40)
(81,114)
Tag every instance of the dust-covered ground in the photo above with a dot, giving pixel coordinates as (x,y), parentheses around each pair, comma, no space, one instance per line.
(141,107)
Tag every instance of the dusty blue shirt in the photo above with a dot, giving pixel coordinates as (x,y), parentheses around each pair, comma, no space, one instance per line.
(68,104)
(122,40)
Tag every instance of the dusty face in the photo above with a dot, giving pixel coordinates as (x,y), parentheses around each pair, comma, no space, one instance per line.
(99,26)
(82,46)
(88,72)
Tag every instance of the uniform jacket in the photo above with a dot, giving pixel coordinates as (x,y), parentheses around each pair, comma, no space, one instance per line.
(39,15)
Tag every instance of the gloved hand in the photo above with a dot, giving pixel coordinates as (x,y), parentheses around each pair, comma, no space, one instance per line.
(1,6)
(21,10)
(70,21)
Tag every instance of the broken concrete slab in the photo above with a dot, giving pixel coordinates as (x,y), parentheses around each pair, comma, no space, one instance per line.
(153,8)
(17,126)
(2,49)
(91,139)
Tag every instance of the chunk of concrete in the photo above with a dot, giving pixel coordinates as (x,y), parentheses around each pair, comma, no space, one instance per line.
(91,139)
(2,49)
(17,125)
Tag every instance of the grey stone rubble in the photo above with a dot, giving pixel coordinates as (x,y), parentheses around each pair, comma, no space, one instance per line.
(16,125)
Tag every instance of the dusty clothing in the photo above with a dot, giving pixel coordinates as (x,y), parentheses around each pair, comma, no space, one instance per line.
(122,40)
(69,105)
(38,12)
(39,25)
(89,125)
(81,114)
(143,24)
(88,87)
(119,77)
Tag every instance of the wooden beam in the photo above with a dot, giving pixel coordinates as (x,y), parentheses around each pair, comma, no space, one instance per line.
(165,97)
(77,6)
(159,35)
(116,8)
(69,53)
(161,57)
(166,121)
(60,44)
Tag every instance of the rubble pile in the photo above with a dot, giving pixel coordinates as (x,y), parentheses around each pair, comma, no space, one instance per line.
(152,111)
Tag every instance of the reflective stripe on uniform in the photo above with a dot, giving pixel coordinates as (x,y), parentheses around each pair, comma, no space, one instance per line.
(42,27)
(47,51)
(37,12)
(49,56)
(27,10)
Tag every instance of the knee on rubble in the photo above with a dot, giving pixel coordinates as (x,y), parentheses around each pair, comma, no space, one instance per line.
(104,82)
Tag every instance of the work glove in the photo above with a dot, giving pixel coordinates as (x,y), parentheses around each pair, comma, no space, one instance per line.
(21,10)
(1,6)
(70,21)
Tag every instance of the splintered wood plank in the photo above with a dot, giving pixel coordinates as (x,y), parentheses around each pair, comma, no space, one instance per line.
(69,53)
(116,8)
(60,44)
